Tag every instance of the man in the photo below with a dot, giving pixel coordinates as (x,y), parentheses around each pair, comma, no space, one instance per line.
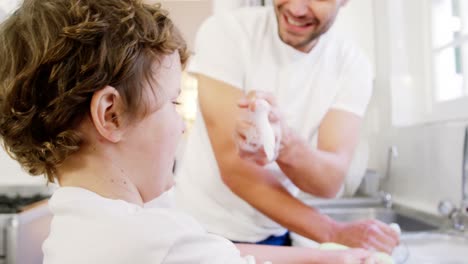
(322,84)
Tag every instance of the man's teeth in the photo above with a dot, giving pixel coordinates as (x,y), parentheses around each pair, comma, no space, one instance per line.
(295,22)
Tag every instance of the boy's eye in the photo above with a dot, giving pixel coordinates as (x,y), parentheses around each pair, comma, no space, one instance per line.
(176,102)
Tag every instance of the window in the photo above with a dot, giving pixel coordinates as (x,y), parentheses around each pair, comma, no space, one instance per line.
(422,49)
(449,49)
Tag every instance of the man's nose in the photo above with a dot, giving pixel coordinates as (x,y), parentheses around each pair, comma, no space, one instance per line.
(299,8)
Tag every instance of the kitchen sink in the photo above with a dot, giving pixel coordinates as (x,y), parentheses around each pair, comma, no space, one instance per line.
(435,248)
(407,222)
(426,238)
(354,209)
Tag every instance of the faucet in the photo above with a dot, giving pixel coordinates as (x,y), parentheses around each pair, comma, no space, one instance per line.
(392,154)
(447,208)
(386,197)
(464,203)
(459,216)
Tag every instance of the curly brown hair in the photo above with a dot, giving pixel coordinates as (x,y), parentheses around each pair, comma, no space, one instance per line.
(55,54)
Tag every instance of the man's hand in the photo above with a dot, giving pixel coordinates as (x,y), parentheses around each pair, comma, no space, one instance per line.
(367,234)
(250,145)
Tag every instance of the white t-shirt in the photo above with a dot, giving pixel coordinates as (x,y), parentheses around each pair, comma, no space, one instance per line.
(88,228)
(243,49)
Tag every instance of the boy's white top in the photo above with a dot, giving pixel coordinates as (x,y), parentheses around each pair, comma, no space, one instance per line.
(88,228)
(243,49)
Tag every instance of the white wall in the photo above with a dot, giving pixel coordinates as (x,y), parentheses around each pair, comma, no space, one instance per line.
(224,5)
(12,174)
(188,15)
(428,167)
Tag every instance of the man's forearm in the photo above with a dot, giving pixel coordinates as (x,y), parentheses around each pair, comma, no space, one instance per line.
(314,171)
(273,200)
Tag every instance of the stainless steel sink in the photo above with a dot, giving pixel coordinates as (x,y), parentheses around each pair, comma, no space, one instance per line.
(436,248)
(426,238)
(408,221)
(352,209)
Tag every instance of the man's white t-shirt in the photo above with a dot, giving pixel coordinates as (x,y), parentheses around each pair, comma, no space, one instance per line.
(243,49)
(88,228)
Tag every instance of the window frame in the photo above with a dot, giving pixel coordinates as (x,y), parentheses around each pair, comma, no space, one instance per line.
(447,110)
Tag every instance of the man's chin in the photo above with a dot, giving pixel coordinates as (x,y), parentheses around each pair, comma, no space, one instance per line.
(300,42)
(295,42)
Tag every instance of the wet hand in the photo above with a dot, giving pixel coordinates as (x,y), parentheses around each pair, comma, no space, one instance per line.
(368,234)
(248,134)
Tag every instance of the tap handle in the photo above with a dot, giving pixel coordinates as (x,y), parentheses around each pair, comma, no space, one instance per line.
(387,199)
(464,208)
(446,208)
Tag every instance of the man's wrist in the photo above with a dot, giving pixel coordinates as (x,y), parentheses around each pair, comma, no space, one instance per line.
(288,148)
(333,230)
(329,228)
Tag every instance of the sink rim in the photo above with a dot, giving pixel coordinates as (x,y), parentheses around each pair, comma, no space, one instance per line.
(440,235)
(436,221)
(356,202)
(399,209)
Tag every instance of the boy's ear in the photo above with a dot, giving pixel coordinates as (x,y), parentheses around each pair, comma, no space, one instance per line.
(106,113)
